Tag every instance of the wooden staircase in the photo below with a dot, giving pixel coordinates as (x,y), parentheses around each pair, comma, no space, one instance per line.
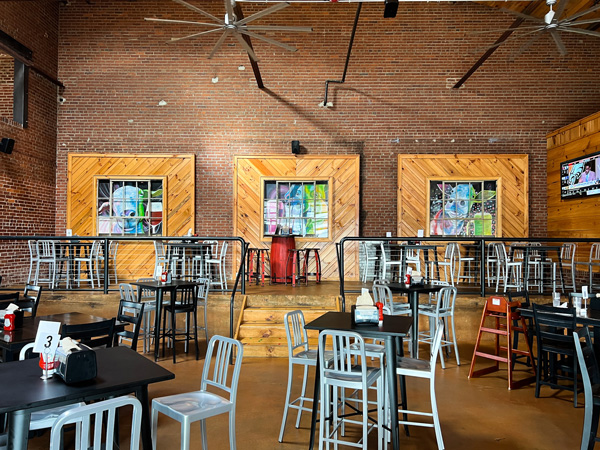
(261,329)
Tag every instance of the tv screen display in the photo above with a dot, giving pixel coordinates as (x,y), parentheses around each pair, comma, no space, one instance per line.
(579,177)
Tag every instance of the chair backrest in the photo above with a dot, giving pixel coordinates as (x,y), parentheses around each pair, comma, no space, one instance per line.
(102,437)
(553,326)
(94,335)
(27,352)
(33,252)
(130,313)
(521,296)
(491,251)
(446,299)
(382,293)
(501,255)
(46,249)
(223,253)
(590,375)
(127,293)
(159,249)
(203,288)
(295,332)
(147,294)
(451,251)
(595,253)
(212,249)
(186,296)
(216,370)
(348,362)
(567,252)
(31,299)
(12,297)
(113,247)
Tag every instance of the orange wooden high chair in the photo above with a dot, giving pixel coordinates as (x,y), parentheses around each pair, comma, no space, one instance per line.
(503,314)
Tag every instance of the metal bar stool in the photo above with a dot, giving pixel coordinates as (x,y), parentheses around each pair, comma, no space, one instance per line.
(294,255)
(317,272)
(258,272)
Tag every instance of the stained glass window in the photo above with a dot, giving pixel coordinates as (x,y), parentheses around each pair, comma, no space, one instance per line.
(130,207)
(296,207)
(463,208)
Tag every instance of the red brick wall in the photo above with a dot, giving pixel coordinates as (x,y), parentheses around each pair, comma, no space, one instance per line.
(117,68)
(6,85)
(27,176)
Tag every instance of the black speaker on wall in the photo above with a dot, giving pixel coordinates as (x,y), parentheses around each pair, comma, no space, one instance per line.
(295,147)
(391,8)
(6,146)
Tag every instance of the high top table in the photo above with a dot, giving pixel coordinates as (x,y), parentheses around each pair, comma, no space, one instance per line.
(160,288)
(120,371)
(413,292)
(393,328)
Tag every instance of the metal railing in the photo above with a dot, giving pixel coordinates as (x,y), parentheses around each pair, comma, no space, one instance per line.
(135,258)
(474,278)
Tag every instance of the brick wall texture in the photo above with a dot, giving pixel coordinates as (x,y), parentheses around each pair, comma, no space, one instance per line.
(6,85)
(118,69)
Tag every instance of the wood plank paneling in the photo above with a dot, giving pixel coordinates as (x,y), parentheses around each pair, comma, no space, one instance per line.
(574,217)
(343,170)
(511,171)
(178,171)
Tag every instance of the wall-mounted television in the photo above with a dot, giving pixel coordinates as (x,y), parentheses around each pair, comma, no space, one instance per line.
(579,177)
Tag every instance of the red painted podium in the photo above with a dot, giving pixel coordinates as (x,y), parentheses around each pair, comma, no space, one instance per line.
(279,257)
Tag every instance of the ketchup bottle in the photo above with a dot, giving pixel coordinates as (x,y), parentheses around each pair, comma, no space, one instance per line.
(9,322)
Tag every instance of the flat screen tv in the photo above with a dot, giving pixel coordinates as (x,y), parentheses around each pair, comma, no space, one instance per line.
(579,177)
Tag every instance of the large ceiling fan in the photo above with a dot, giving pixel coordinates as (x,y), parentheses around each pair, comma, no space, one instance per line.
(552,23)
(231,26)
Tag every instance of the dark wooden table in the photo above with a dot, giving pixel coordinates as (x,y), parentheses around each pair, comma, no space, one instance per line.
(120,371)
(393,328)
(11,342)
(413,292)
(160,288)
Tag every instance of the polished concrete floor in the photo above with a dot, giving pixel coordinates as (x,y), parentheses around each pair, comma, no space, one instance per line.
(475,414)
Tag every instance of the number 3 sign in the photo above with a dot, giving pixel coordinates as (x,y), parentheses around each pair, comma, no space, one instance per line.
(47,337)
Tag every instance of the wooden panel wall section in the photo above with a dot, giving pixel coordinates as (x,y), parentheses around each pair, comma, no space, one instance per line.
(575,217)
(344,170)
(511,171)
(135,260)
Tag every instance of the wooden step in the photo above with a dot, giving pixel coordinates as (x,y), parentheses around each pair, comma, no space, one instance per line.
(274,347)
(266,330)
(293,301)
(276,315)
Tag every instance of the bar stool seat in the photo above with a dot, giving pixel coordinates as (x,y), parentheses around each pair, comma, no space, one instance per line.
(294,255)
(317,258)
(258,272)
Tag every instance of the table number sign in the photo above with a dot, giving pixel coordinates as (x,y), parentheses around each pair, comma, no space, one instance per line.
(47,337)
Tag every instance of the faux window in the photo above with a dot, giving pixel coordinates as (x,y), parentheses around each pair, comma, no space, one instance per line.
(463,208)
(296,207)
(130,207)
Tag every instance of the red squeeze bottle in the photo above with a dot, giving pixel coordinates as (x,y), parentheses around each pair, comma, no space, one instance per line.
(379,306)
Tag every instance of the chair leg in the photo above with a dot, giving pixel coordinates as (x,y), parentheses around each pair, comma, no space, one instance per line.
(287,401)
(434,413)
(154,427)
(185,435)
(203,434)
(232,444)
(195,312)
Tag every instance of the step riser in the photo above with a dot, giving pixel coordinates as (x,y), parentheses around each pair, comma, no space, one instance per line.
(275,316)
(298,301)
(248,330)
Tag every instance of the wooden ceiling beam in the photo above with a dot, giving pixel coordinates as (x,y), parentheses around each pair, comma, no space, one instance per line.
(530,8)
(240,15)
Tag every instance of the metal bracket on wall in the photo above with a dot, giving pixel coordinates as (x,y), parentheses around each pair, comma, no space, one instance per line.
(326,104)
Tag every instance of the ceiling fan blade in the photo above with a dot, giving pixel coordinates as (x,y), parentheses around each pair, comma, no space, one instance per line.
(510,38)
(579,22)
(194,35)
(559,43)
(198,10)
(248,49)
(581,13)
(218,44)
(562,4)
(580,31)
(270,41)
(150,19)
(531,27)
(524,47)
(229,11)
(264,12)
(522,16)
(278,28)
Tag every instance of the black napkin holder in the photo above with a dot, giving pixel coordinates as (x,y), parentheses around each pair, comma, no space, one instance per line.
(18,318)
(76,366)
